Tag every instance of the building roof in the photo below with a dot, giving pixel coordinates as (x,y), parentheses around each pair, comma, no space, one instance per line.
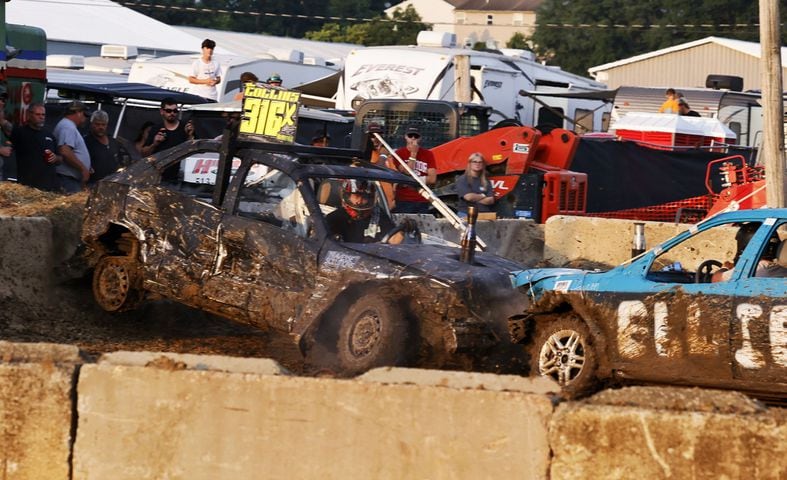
(748,48)
(499,5)
(253,45)
(99,22)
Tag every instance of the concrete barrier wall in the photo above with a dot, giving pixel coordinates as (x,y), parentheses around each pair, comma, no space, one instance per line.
(154,415)
(26,258)
(668,433)
(609,241)
(170,421)
(36,410)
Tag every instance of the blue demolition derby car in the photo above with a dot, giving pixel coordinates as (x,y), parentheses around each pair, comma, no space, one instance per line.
(707,308)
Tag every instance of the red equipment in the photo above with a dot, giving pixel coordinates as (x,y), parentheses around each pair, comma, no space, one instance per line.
(527,168)
(743,185)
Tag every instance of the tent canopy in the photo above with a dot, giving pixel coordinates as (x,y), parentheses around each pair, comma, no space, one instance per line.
(110,91)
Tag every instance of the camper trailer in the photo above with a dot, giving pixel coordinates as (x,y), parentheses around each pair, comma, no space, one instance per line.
(436,70)
(173,72)
(741,112)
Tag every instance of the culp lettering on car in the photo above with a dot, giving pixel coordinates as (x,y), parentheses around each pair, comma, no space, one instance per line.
(749,356)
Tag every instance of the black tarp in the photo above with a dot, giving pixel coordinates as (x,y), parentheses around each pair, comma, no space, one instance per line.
(108,92)
(624,175)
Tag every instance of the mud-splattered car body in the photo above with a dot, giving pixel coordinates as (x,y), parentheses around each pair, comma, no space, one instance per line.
(223,250)
(657,319)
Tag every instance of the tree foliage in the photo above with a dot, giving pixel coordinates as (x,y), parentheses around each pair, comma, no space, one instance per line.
(376,32)
(649,25)
(289,18)
(518,40)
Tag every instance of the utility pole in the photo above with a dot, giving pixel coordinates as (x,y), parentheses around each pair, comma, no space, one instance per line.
(773,104)
(462,87)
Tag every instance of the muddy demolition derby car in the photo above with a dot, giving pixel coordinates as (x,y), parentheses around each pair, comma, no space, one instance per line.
(707,308)
(258,249)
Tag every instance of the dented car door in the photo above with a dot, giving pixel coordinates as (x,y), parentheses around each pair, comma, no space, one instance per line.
(266,262)
(178,227)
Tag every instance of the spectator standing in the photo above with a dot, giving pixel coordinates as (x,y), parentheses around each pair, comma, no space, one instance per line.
(167,134)
(245,77)
(35,148)
(321,139)
(670,105)
(134,148)
(6,150)
(378,155)
(205,72)
(106,153)
(685,110)
(422,162)
(274,80)
(473,188)
(75,169)
(170,132)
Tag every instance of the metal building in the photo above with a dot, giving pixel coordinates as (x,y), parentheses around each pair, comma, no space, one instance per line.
(687,65)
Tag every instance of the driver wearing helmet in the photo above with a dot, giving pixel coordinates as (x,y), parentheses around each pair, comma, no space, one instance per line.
(767,266)
(360,219)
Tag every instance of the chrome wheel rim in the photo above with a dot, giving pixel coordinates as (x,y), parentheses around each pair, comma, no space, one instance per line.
(562,357)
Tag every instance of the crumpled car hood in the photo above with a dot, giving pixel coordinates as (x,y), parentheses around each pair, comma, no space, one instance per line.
(439,261)
(526,277)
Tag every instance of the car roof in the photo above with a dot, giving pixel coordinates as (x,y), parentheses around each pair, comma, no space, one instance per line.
(303,161)
(744,215)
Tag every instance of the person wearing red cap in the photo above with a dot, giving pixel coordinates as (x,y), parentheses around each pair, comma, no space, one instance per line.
(422,162)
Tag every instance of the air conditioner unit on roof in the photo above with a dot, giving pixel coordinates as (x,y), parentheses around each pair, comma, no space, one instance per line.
(118,51)
(427,38)
(65,61)
(287,54)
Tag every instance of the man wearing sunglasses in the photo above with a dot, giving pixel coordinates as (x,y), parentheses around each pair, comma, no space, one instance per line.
(170,132)
(422,162)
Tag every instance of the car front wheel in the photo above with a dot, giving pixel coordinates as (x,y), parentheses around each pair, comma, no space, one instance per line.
(373,333)
(563,350)
(115,283)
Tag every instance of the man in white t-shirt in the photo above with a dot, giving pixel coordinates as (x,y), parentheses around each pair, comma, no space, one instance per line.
(205,72)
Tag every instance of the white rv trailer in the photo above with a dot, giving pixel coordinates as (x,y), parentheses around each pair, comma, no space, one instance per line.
(173,72)
(508,84)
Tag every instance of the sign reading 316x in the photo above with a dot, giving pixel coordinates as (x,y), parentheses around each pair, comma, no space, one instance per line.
(270,113)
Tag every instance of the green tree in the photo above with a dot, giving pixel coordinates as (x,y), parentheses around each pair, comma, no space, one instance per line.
(648,26)
(291,18)
(377,32)
(518,40)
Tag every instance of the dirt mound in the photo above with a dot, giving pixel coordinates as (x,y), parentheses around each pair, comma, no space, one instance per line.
(65,212)
(20,201)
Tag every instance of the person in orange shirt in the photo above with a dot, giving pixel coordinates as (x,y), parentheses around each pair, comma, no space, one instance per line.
(670,105)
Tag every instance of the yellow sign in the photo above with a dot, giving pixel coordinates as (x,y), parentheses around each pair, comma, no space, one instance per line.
(270,113)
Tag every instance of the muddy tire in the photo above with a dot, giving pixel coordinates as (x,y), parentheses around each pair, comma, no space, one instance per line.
(563,350)
(116,282)
(373,333)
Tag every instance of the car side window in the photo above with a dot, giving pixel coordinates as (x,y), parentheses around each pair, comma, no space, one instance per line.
(679,263)
(194,175)
(274,198)
(773,259)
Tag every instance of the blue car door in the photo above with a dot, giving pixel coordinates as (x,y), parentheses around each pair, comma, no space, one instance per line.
(666,327)
(758,334)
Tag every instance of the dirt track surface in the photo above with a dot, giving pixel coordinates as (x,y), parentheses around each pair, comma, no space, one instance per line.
(72,317)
